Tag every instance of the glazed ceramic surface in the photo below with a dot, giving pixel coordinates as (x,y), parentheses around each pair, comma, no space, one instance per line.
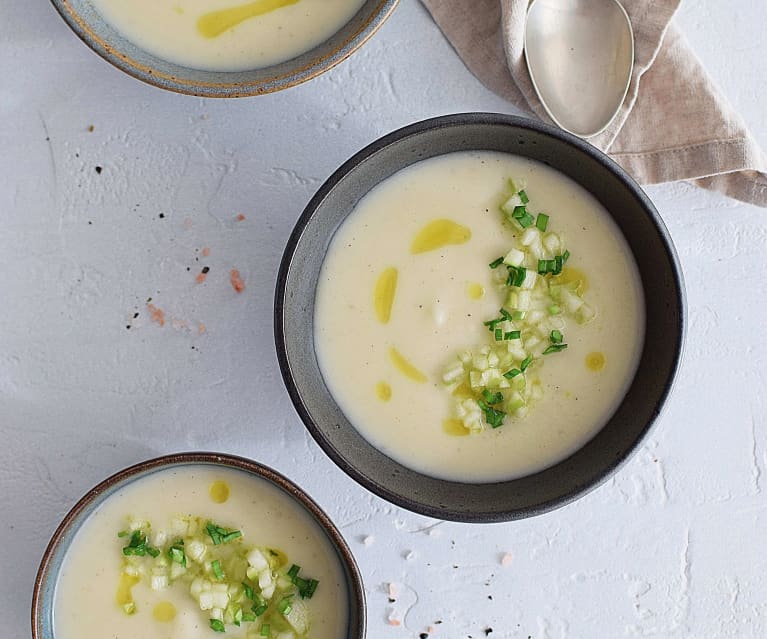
(111,45)
(599,458)
(55,555)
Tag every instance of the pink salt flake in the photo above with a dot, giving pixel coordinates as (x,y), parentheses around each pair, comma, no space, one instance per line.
(506,560)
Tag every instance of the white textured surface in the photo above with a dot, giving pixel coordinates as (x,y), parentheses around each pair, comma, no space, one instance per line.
(674,546)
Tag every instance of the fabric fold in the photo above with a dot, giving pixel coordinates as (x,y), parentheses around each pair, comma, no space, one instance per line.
(673,125)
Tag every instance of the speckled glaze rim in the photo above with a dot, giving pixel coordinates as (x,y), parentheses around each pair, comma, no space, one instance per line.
(356,590)
(309,64)
(471,514)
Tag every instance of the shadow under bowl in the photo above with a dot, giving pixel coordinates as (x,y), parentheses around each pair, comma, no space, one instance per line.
(119,51)
(588,467)
(44,592)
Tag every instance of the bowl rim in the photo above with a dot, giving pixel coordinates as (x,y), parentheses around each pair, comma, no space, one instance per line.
(204,89)
(393,138)
(356,589)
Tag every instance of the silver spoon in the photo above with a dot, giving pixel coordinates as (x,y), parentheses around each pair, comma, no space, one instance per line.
(580,54)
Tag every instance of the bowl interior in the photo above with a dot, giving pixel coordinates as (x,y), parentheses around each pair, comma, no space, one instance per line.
(50,566)
(587,467)
(105,40)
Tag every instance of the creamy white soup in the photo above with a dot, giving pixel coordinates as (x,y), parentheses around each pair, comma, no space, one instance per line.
(227,35)
(423,241)
(96,595)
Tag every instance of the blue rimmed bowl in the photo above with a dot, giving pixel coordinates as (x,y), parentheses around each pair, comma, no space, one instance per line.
(44,592)
(107,42)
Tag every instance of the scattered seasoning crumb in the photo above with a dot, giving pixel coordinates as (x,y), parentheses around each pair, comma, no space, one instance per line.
(237,282)
(205,269)
(162,216)
(155,313)
(201,277)
(135,315)
(368,541)
(392,619)
(99,169)
(240,217)
(423,635)
(393,592)
(409,555)
(127,326)
(506,560)
(488,631)
(201,328)
(91,128)
(205,252)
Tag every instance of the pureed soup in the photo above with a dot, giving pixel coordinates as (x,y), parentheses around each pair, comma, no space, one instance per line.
(227,35)
(195,550)
(479,317)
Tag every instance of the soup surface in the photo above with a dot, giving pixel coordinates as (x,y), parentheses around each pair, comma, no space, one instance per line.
(384,364)
(227,35)
(88,597)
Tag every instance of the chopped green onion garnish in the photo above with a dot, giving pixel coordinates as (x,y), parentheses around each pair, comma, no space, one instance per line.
(542,222)
(526,362)
(512,373)
(217,625)
(512,335)
(309,592)
(517,275)
(492,398)
(217,571)
(494,417)
(554,309)
(505,314)
(519,212)
(266,631)
(498,334)
(523,197)
(556,336)
(496,263)
(123,533)
(565,256)
(259,608)
(138,546)
(518,316)
(542,267)
(221,535)
(555,348)
(248,590)
(285,606)
(526,220)
(246,616)
(177,554)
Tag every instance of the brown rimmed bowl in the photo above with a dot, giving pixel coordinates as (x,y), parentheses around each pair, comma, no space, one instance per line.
(107,42)
(53,558)
(624,432)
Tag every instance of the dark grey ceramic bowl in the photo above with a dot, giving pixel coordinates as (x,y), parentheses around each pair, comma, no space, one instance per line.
(599,458)
(50,565)
(86,22)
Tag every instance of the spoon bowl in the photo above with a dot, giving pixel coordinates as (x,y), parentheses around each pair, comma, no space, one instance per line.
(580,55)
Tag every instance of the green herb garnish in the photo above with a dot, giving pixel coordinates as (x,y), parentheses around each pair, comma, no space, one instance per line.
(221,535)
(217,625)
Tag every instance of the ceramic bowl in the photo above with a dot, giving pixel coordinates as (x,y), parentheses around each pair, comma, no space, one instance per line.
(601,456)
(51,563)
(100,36)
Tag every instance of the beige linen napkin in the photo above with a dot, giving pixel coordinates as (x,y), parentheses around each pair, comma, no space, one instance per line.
(673,125)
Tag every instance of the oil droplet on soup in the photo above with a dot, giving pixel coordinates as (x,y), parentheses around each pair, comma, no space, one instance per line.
(455,427)
(383,391)
(572,275)
(595,361)
(124,594)
(475,291)
(438,234)
(213,24)
(383,297)
(164,611)
(405,367)
(219,491)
